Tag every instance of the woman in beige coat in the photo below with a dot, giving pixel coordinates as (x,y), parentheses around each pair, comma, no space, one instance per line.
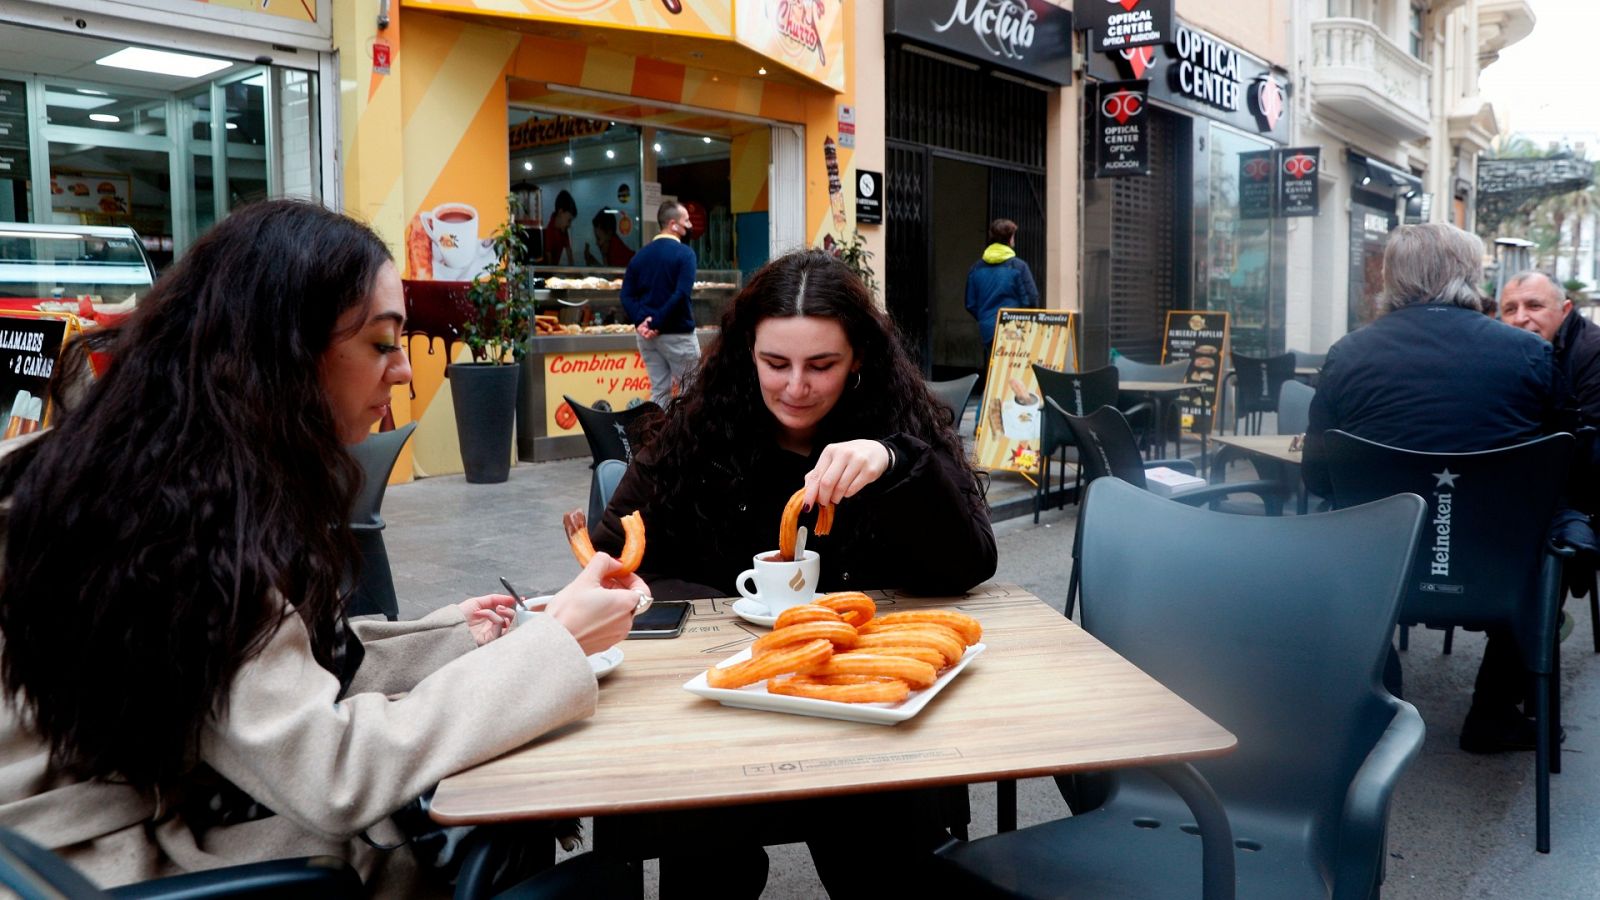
(184,691)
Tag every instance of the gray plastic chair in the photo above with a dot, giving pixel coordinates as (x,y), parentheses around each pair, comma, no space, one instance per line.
(607,475)
(953,395)
(1137,408)
(377,455)
(1498,567)
(32,872)
(1304,360)
(1078,393)
(1284,646)
(1294,407)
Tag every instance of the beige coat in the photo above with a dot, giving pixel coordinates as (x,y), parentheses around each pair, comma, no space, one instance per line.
(425,703)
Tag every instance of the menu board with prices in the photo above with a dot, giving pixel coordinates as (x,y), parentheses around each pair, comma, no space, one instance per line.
(1201,337)
(1013,407)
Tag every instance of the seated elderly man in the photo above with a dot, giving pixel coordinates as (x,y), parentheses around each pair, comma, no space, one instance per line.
(1534,302)
(1434,373)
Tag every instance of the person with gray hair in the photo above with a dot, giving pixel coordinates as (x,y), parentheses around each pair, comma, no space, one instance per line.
(656,291)
(1433,373)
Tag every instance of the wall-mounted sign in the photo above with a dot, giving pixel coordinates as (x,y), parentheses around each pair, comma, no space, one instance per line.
(1201,337)
(847,125)
(869,197)
(1120,24)
(382,56)
(541,131)
(108,193)
(1297,181)
(1256,183)
(1121,129)
(1205,75)
(1029,37)
(30,343)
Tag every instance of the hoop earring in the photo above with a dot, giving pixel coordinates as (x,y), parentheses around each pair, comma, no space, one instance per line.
(858,380)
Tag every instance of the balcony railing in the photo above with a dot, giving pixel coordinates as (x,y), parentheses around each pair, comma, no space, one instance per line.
(1358,72)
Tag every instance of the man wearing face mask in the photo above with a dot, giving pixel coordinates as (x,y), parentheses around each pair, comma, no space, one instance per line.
(656,293)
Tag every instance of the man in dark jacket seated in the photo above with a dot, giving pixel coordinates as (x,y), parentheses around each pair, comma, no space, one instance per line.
(1534,302)
(1433,373)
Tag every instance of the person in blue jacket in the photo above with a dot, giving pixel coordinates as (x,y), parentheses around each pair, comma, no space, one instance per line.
(656,291)
(999,280)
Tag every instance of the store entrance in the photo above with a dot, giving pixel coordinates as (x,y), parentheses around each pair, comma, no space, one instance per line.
(168,147)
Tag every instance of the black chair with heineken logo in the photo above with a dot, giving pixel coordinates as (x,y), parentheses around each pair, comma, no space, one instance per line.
(1485,559)
(1256,384)
(1078,393)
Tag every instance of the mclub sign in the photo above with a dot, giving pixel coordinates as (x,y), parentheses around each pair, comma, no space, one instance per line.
(1028,37)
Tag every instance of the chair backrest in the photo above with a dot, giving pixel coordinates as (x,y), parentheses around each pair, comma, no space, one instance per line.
(1078,393)
(1294,407)
(1259,380)
(1106,445)
(607,475)
(953,395)
(1262,623)
(1138,371)
(607,431)
(31,872)
(377,455)
(1482,560)
(1304,360)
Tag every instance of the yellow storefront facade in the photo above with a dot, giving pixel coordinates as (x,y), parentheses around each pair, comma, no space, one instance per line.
(454,104)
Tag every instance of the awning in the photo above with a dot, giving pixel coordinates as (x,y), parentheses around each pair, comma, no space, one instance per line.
(1378,177)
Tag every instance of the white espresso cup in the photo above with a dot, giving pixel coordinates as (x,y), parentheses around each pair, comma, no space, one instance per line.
(778,584)
(454,229)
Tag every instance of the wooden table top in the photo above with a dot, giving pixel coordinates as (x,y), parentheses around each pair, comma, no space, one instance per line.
(1044,698)
(1275,446)
(1157,387)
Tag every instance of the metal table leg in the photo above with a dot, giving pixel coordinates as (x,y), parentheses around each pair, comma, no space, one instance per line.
(1216,835)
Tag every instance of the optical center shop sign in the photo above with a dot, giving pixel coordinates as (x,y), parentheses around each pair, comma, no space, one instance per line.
(1123,147)
(1120,24)
(1029,37)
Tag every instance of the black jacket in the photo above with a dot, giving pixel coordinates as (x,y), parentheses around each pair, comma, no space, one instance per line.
(914,529)
(1435,378)
(1577,359)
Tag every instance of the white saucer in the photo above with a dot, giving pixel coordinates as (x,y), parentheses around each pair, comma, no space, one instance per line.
(605,662)
(755,613)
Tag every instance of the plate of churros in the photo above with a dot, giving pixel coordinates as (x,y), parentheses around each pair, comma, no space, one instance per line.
(835,658)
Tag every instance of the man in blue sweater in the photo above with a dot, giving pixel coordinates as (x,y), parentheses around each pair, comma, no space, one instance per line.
(655,292)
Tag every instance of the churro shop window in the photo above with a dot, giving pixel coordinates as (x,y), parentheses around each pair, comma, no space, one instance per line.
(589,188)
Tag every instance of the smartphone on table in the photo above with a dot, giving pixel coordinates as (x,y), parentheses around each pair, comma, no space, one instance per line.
(664,619)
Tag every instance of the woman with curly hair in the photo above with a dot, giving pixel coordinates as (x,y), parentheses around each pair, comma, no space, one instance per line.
(806,386)
(184,691)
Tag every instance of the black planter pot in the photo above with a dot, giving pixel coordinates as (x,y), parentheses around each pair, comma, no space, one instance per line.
(486,404)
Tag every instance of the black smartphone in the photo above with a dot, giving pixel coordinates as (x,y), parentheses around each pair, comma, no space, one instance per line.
(664,619)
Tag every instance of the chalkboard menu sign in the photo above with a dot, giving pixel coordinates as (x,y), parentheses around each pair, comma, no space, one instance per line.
(1201,337)
(29,347)
(1013,407)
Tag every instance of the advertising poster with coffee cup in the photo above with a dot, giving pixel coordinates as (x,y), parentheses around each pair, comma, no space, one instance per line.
(1013,407)
(29,348)
(1201,337)
(444,244)
(610,380)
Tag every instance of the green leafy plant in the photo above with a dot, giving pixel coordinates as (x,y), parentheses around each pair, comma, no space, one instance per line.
(854,253)
(1573,285)
(501,297)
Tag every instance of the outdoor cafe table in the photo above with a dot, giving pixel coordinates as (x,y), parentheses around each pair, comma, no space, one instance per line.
(1158,392)
(1274,449)
(1045,698)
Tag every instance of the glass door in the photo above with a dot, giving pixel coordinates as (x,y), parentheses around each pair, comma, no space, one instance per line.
(1236,259)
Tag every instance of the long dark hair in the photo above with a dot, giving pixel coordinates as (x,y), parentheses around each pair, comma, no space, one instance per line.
(720,419)
(150,529)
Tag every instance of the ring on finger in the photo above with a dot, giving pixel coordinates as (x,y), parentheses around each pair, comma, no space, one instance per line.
(644,603)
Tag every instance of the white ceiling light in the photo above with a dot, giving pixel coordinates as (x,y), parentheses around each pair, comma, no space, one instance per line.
(91,91)
(162,62)
(75,101)
(230,125)
(104,117)
(528,165)
(567,160)
(657,147)
(706,139)
(611,154)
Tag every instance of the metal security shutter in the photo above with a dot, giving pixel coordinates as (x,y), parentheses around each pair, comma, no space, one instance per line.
(1019,196)
(1142,255)
(906,226)
(962,108)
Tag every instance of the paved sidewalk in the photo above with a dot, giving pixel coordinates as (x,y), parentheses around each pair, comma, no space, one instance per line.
(1462,825)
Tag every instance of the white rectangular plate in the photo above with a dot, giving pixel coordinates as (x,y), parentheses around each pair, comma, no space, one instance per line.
(755,696)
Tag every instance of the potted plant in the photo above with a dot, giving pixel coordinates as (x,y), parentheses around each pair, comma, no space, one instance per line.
(854,254)
(485,390)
